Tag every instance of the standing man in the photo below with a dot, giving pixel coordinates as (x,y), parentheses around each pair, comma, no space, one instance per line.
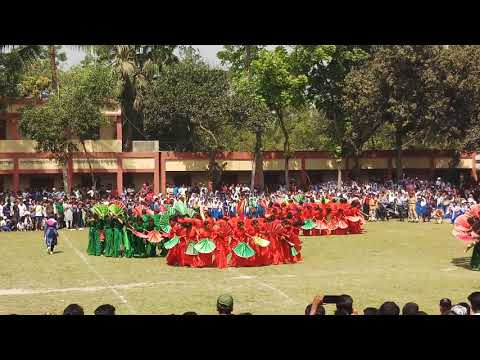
(38,215)
(412,203)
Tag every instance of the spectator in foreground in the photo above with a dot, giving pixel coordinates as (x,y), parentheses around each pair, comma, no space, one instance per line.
(345,306)
(105,309)
(466,306)
(370,311)
(225,304)
(73,309)
(190,313)
(320,310)
(474,299)
(445,305)
(458,310)
(389,308)
(410,309)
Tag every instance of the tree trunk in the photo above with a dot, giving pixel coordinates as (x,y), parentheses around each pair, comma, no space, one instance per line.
(257,166)
(65,178)
(286,146)
(339,174)
(53,65)
(94,182)
(356,167)
(398,154)
(213,171)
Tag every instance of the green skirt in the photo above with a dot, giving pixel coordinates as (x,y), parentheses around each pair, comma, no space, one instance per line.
(117,242)
(108,251)
(150,249)
(475,260)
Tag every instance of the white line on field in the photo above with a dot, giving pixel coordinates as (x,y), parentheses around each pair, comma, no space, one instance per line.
(7,292)
(264,284)
(92,269)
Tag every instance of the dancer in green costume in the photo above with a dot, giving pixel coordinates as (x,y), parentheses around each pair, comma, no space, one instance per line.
(95,245)
(150,248)
(109,247)
(475,260)
(119,246)
(137,243)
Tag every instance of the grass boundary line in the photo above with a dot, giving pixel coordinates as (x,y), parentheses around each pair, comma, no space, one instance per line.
(99,276)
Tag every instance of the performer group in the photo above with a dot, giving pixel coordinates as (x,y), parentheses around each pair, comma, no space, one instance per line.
(195,238)
(467,229)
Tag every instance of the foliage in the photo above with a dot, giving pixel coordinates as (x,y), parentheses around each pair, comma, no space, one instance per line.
(190,103)
(326,67)
(135,66)
(37,78)
(74,112)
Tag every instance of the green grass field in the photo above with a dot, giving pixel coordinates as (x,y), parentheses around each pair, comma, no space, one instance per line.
(390,261)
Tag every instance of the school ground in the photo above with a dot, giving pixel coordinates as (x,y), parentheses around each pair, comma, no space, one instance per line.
(390,261)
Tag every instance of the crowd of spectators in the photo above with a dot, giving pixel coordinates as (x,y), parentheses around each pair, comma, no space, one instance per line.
(27,210)
(342,306)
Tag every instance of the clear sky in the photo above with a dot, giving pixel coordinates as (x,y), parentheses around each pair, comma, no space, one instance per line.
(209,52)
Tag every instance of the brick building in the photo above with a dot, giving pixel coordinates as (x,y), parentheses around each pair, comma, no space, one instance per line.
(22,167)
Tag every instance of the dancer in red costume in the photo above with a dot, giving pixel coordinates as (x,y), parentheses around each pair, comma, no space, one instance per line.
(220,235)
(204,232)
(354,218)
(173,256)
(342,225)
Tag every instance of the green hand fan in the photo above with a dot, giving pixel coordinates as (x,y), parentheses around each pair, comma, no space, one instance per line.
(191,249)
(190,213)
(261,242)
(308,225)
(101,210)
(205,246)
(171,243)
(244,250)
(181,207)
(164,223)
(293,251)
(170,212)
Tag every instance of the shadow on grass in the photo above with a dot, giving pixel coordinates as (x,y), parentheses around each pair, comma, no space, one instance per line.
(463,262)
(58,252)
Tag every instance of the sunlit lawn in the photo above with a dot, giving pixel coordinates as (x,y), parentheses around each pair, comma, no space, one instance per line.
(390,261)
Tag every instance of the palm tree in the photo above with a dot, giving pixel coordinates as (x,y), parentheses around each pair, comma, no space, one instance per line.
(136,66)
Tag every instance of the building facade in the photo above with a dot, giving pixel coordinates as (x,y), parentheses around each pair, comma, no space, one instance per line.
(22,167)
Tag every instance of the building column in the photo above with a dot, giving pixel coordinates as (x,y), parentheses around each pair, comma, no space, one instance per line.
(69,175)
(119,127)
(16,176)
(163,171)
(390,169)
(13,124)
(474,166)
(158,185)
(346,172)
(432,167)
(119,176)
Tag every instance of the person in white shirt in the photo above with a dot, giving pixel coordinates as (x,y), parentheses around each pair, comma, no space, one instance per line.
(38,211)
(21,209)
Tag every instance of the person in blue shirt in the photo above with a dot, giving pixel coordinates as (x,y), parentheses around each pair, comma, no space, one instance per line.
(51,234)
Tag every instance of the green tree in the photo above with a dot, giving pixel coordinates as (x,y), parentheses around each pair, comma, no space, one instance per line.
(326,67)
(71,116)
(274,81)
(195,101)
(14,60)
(239,59)
(135,66)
